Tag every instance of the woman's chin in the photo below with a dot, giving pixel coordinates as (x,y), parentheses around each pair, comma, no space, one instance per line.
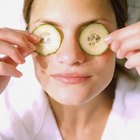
(70,97)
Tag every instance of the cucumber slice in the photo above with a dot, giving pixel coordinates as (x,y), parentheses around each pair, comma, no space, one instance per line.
(50,39)
(92,39)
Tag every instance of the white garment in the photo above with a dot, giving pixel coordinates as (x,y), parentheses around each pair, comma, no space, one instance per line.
(124,120)
(25,113)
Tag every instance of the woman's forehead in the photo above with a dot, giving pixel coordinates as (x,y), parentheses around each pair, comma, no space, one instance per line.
(71,3)
(70,8)
(71,13)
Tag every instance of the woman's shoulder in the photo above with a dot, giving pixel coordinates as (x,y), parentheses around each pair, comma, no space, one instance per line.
(127,97)
(124,118)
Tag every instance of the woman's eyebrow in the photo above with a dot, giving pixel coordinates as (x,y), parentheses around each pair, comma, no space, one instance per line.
(87,23)
(97,20)
(45,21)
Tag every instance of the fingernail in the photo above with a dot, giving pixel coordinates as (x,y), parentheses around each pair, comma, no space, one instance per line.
(127,65)
(108,40)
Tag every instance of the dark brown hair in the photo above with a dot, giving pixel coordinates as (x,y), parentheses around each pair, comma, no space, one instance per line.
(121,11)
(27,10)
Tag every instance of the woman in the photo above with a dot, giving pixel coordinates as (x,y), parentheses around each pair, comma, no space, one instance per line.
(77,101)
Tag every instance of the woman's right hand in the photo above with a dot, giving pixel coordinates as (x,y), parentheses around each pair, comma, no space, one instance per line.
(15,45)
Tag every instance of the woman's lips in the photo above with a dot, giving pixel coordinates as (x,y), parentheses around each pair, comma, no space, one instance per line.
(70,78)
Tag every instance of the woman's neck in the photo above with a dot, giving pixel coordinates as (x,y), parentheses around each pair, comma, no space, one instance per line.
(88,119)
(81,113)
(85,116)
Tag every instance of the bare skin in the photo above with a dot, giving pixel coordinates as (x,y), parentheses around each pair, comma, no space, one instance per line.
(75,124)
(14,56)
(81,110)
(126,44)
(83,115)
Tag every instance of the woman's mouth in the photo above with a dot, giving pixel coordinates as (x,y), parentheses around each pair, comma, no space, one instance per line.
(71,78)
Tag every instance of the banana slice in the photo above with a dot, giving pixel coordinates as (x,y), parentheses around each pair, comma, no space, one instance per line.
(92,39)
(50,39)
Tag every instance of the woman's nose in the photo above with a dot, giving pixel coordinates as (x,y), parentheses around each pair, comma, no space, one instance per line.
(70,52)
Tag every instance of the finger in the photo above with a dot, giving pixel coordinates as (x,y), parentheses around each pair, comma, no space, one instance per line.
(15,37)
(33,38)
(25,52)
(130,44)
(131,53)
(8,60)
(133,61)
(9,70)
(115,46)
(30,36)
(122,34)
(11,51)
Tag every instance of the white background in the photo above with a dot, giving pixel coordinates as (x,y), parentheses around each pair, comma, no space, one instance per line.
(11,14)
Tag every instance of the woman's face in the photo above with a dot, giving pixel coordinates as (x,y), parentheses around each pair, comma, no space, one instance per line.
(70,76)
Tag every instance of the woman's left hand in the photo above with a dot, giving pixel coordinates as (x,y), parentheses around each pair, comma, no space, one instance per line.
(125,43)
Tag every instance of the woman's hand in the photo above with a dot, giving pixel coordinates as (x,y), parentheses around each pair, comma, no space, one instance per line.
(15,45)
(126,44)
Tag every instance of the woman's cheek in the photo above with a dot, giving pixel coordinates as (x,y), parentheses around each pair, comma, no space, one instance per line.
(106,64)
(39,60)
(40,66)
(107,59)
